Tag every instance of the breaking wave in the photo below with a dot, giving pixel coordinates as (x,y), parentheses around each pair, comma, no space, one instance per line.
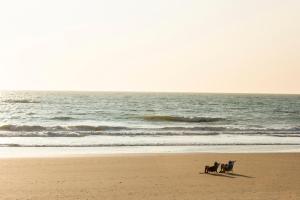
(86,130)
(10,127)
(29,128)
(99,133)
(182,119)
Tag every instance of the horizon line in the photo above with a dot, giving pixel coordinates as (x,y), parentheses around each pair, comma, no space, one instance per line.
(138,91)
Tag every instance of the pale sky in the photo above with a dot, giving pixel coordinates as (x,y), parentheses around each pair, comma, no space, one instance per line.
(137,45)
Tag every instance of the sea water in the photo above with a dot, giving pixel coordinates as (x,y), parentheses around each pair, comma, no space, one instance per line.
(56,123)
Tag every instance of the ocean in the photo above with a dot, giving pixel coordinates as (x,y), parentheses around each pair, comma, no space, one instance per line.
(59,123)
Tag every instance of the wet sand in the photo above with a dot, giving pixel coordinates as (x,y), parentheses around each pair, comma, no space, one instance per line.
(151,176)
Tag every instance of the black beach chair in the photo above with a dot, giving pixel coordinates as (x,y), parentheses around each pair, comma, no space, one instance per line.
(212,168)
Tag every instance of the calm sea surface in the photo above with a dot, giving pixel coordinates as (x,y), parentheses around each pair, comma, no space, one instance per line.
(161,122)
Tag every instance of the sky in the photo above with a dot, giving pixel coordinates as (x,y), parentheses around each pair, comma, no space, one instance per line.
(230,46)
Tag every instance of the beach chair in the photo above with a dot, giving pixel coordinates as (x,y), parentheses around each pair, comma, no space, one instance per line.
(213,168)
(227,167)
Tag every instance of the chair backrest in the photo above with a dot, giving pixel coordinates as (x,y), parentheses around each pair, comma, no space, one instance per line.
(216,165)
(230,165)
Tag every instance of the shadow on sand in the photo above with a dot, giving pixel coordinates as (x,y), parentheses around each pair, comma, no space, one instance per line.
(241,175)
(218,174)
(227,175)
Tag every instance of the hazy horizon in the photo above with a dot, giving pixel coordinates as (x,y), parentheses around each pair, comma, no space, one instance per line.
(128,91)
(159,46)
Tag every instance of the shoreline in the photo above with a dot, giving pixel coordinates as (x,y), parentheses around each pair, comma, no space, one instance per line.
(117,155)
(32,152)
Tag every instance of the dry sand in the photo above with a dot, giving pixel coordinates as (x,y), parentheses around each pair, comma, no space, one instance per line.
(159,176)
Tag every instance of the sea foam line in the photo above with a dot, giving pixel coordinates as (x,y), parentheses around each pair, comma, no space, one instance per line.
(151,145)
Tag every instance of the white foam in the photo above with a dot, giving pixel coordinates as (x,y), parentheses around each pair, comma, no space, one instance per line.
(18,152)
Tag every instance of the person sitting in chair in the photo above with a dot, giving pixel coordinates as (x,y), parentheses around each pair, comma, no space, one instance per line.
(227,167)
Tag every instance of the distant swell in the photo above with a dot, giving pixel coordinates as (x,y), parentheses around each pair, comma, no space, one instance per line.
(62,118)
(20,101)
(182,119)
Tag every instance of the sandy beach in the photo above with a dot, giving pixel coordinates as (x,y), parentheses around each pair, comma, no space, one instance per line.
(153,176)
